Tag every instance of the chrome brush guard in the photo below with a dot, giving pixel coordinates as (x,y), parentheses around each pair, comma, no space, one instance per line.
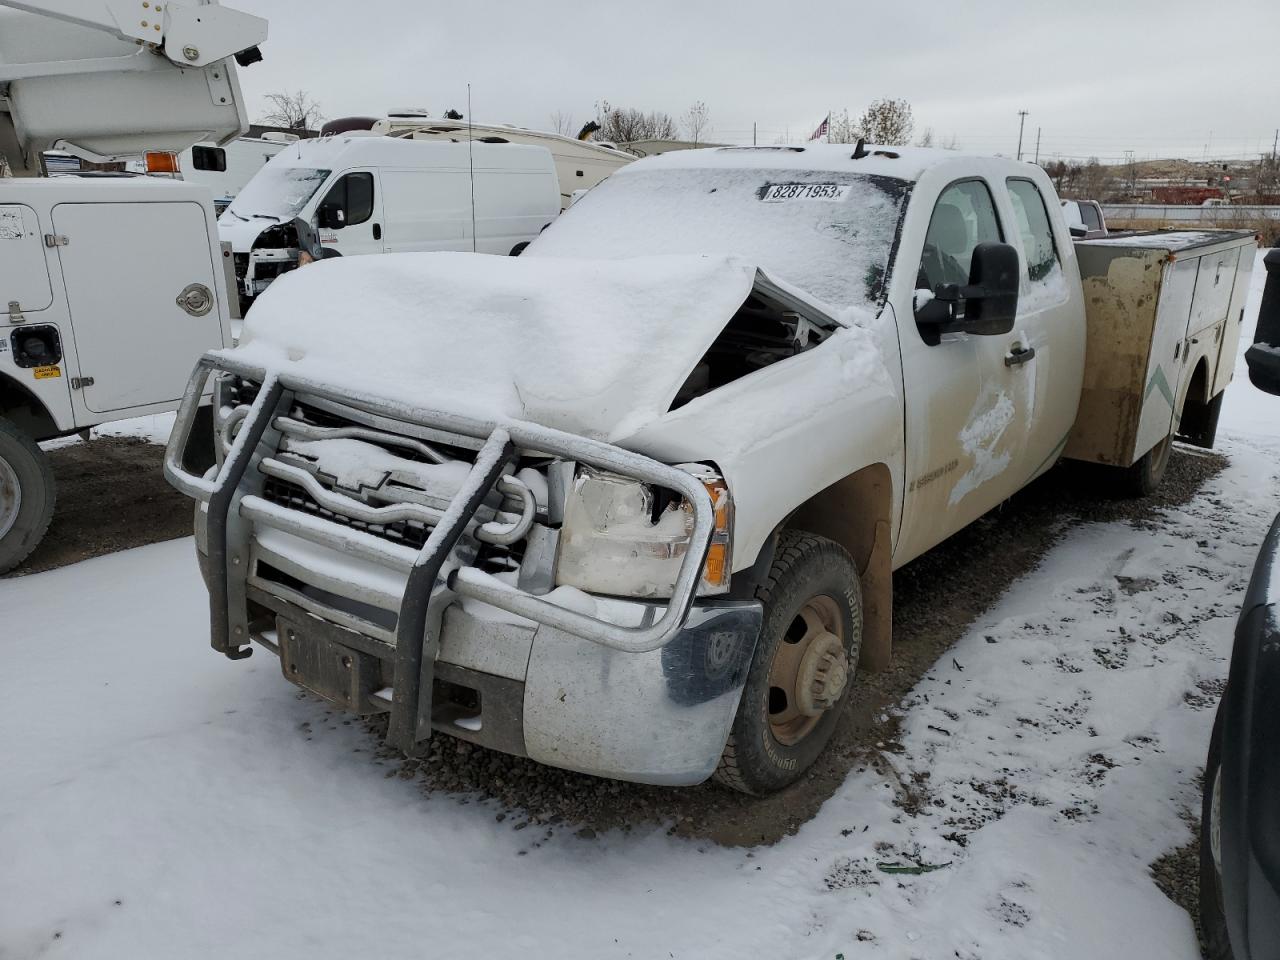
(437,572)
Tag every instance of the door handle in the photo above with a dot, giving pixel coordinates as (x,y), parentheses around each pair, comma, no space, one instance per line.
(1018,354)
(377,231)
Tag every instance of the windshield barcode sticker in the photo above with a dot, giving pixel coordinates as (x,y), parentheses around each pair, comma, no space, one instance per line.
(778,192)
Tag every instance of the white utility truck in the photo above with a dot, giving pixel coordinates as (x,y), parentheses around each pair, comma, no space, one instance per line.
(109,287)
(362,193)
(630,504)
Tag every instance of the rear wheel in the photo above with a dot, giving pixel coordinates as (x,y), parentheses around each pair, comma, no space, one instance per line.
(803,667)
(26,495)
(1142,479)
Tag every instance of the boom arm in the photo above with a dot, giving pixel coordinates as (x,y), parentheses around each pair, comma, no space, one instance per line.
(106,79)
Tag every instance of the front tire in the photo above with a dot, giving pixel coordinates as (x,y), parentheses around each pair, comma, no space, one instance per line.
(1213,921)
(803,668)
(26,495)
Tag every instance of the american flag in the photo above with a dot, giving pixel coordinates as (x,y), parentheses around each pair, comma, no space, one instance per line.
(823,128)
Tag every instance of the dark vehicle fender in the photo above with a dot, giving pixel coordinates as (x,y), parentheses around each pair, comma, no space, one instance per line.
(1250,764)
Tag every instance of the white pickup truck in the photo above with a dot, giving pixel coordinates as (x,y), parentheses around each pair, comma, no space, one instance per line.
(630,503)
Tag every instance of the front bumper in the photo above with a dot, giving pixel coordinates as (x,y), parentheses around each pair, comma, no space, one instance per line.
(531,690)
(619,688)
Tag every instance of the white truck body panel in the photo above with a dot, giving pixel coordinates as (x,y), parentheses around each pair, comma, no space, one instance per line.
(116,316)
(88,78)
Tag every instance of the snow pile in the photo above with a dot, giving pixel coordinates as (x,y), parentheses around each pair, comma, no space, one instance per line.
(593,347)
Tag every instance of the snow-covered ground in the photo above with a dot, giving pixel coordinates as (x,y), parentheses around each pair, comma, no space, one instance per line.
(160,801)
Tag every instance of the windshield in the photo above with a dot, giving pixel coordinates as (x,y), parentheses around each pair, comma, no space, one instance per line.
(831,234)
(277,192)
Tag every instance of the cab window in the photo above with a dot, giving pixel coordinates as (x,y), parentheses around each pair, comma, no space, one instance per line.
(964,217)
(1032,219)
(209,158)
(353,194)
(1089,213)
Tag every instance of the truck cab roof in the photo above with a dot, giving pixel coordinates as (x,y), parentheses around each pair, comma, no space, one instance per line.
(903,163)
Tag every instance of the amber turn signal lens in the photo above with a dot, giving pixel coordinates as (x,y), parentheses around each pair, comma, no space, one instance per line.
(159,161)
(716,570)
(719,494)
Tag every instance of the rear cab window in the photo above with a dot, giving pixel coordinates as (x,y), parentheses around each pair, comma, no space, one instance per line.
(1031,215)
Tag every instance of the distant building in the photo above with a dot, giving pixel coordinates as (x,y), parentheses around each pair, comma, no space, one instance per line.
(654,147)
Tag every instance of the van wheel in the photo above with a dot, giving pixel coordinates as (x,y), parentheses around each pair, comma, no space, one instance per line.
(1142,479)
(803,669)
(518,249)
(26,495)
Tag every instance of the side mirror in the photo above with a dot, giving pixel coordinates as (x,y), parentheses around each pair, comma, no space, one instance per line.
(330,216)
(1078,231)
(1263,357)
(987,305)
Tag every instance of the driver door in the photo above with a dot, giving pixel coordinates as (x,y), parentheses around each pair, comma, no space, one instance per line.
(966,409)
(349,216)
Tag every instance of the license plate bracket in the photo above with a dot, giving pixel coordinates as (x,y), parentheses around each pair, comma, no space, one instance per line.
(319,664)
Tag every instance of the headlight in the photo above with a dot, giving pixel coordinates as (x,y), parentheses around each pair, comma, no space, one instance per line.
(625,538)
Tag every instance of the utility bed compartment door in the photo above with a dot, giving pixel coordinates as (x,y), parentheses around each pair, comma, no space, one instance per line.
(24,274)
(124,266)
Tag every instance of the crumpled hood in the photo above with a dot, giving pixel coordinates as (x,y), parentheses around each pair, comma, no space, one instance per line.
(596,347)
(241,233)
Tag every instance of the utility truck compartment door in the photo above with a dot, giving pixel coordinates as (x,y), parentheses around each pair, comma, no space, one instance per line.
(142,293)
(24,273)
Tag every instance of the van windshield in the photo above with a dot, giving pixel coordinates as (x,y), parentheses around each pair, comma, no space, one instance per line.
(277,192)
(829,233)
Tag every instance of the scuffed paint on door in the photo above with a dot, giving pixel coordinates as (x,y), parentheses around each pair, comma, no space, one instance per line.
(980,439)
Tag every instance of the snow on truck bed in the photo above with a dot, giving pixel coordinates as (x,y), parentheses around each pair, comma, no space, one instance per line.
(597,347)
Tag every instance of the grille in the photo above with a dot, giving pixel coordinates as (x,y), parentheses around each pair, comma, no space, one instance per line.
(407,533)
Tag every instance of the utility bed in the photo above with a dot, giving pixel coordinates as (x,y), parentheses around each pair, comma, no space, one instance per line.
(1163,311)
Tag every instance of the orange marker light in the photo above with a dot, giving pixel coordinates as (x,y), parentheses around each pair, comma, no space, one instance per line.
(716,569)
(159,161)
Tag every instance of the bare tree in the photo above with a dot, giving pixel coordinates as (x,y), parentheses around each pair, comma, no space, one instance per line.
(293,111)
(697,120)
(841,129)
(887,121)
(926,138)
(562,123)
(627,124)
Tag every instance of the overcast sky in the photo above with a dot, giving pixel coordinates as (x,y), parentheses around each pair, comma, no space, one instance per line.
(1098,78)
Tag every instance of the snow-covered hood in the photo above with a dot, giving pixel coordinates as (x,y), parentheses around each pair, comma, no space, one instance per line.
(241,233)
(596,347)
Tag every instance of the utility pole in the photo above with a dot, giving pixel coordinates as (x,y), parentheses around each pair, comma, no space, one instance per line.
(1274,144)
(753,133)
(1022,119)
(1037,146)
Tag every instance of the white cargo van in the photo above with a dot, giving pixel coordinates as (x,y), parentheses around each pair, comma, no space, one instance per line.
(371,194)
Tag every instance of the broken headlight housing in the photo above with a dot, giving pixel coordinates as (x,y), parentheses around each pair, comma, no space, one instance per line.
(625,538)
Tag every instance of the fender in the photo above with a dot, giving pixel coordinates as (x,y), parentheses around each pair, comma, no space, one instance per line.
(22,408)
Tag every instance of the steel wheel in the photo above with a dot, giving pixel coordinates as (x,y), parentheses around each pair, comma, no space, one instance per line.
(809,671)
(10,497)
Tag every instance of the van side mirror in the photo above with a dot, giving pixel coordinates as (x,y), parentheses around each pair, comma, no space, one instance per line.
(331,216)
(1078,231)
(1263,357)
(987,305)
